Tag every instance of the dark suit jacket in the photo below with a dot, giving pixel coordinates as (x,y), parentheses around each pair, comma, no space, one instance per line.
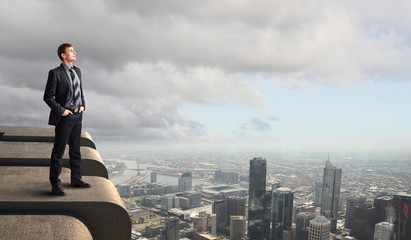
(58,92)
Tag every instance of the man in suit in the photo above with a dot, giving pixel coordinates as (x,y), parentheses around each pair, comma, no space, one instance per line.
(64,95)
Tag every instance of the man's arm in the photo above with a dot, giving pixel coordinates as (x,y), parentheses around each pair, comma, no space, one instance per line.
(83,107)
(50,94)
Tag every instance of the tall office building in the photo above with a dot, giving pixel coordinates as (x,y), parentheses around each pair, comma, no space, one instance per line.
(256,201)
(317,191)
(330,194)
(237,227)
(153,177)
(320,228)
(184,182)
(281,212)
(383,231)
(302,225)
(235,207)
(402,205)
(364,220)
(352,202)
(220,210)
(171,229)
(384,208)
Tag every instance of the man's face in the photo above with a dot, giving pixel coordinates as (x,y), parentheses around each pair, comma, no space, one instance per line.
(69,55)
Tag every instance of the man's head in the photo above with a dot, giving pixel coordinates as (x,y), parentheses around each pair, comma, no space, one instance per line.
(66,53)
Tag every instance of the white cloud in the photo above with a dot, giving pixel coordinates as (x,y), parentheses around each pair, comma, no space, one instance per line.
(143,60)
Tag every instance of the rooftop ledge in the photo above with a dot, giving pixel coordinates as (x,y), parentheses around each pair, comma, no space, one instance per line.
(38,134)
(39,153)
(27,191)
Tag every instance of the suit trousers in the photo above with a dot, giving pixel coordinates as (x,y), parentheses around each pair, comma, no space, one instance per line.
(68,130)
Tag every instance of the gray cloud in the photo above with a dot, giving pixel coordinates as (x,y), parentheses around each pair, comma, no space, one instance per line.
(272,118)
(256,124)
(143,60)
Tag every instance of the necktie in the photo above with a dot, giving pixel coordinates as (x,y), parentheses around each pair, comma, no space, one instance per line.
(76,88)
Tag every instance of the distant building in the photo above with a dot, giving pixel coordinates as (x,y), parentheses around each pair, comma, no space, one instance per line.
(383,231)
(124,190)
(222,191)
(153,177)
(320,228)
(205,223)
(237,227)
(171,229)
(302,227)
(169,201)
(226,177)
(281,211)
(330,194)
(256,205)
(185,182)
(352,202)
(364,220)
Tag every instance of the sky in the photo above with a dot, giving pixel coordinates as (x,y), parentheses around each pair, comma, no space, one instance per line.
(218,75)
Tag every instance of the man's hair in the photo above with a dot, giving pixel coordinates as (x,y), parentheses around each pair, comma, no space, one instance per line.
(62,49)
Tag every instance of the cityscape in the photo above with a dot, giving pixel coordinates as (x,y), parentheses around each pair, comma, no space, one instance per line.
(184,195)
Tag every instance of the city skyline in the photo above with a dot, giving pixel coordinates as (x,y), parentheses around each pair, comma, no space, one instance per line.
(231,75)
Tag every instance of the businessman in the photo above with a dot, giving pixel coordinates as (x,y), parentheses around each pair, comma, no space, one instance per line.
(64,95)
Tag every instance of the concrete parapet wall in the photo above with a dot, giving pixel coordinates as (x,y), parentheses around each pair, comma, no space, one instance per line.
(26,190)
(39,153)
(38,134)
(43,227)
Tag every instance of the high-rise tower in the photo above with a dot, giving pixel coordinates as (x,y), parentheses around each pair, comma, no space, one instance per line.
(352,202)
(282,211)
(184,182)
(302,225)
(319,228)
(330,194)
(256,201)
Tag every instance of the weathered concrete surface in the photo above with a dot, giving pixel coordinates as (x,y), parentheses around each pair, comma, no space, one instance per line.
(38,134)
(26,190)
(38,154)
(42,227)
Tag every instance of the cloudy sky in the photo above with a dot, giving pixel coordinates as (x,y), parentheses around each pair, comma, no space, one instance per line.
(218,75)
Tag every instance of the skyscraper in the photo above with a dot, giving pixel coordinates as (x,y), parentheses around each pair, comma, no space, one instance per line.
(330,194)
(384,208)
(171,229)
(317,191)
(402,205)
(383,231)
(351,203)
(235,207)
(184,182)
(319,228)
(237,227)
(256,201)
(153,177)
(302,225)
(281,211)
(364,220)
(220,209)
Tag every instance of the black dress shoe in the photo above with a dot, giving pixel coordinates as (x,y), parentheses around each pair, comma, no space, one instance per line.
(58,191)
(79,183)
